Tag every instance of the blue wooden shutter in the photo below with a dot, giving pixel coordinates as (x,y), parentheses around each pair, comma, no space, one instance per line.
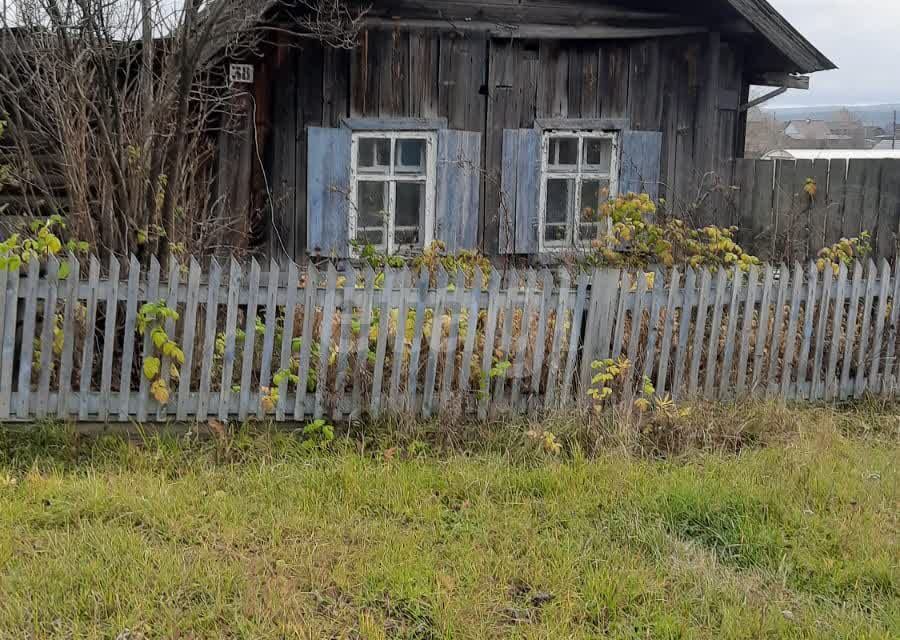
(520,181)
(328,192)
(639,162)
(458,185)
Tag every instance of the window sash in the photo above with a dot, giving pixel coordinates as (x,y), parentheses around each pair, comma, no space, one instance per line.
(426,177)
(577,173)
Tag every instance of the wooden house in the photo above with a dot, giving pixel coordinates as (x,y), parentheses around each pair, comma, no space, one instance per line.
(502,125)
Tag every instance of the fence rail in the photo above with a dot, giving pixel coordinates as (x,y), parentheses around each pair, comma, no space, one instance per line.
(291,343)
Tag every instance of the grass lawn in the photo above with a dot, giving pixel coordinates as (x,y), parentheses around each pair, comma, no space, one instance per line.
(252,536)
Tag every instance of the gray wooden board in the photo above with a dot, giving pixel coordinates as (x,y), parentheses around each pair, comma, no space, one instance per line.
(325,331)
(235,276)
(287,339)
(249,346)
(668,329)
(434,343)
(109,328)
(712,352)
(306,339)
(808,320)
(816,383)
(746,329)
(29,317)
(699,331)
(416,348)
(837,316)
(209,339)
(47,336)
(684,329)
(265,365)
(790,336)
(850,333)
(777,332)
(762,330)
(348,307)
(862,352)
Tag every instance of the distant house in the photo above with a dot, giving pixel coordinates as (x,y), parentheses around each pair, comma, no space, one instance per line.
(816,134)
(503,126)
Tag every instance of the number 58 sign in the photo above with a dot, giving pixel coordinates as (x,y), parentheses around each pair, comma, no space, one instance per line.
(240,73)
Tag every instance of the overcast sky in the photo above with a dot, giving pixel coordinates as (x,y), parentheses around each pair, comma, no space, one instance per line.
(862,37)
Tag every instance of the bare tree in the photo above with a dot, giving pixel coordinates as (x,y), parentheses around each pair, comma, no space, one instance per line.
(114,107)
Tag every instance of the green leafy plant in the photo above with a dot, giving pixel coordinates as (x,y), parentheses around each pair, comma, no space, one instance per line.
(318,434)
(41,239)
(150,320)
(845,251)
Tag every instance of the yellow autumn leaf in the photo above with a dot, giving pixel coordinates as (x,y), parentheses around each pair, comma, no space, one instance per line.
(151,367)
(160,390)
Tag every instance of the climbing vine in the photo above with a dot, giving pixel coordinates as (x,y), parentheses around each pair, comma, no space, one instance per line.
(150,321)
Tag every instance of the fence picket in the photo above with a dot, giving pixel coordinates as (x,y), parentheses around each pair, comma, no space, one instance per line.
(171,303)
(189,328)
(637,326)
(67,356)
(668,329)
(47,338)
(762,329)
(559,325)
(265,365)
(790,337)
(575,336)
(362,341)
(325,330)
(209,338)
(343,354)
(540,339)
(625,285)
(684,328)
(850,334)
(381,342)
(128,336)
(712,351)
(699,331)
(87,351)
(4,275)
(746,329)
(875,382)
(27,348)
(889,381)
(287,340)
(513,283)
(812,280)
(109,334)
(249,346)
(455,304)
(518,368)
(821,321)
(474,305)
(487,355)
(434,342)
(416,348)
(862,350)
(837,316)
(310,291)
(770,382)
(235,275)
(724,381)
(657,296)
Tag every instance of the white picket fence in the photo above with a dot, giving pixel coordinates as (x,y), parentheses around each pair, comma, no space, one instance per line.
(365,343)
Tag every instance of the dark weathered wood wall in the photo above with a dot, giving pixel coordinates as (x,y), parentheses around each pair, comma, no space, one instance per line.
(688,87)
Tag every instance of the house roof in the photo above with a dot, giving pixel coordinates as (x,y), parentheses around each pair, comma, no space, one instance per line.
(782,35)
(808,130)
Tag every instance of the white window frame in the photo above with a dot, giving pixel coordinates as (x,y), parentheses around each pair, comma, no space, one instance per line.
(577,173)
(426,233)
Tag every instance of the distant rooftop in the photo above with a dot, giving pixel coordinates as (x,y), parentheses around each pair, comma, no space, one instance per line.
(831,154)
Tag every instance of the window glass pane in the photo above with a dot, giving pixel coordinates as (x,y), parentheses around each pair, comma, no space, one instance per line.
(555,233)
(374,155)
(410,204)
(594,192)
(374,237)
(410,156)
(557,208)
(372,204)
(563,152)
(598,153)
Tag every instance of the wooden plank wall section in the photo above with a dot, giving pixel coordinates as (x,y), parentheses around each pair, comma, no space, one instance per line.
(487,84)
(788,210)
(805,334)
